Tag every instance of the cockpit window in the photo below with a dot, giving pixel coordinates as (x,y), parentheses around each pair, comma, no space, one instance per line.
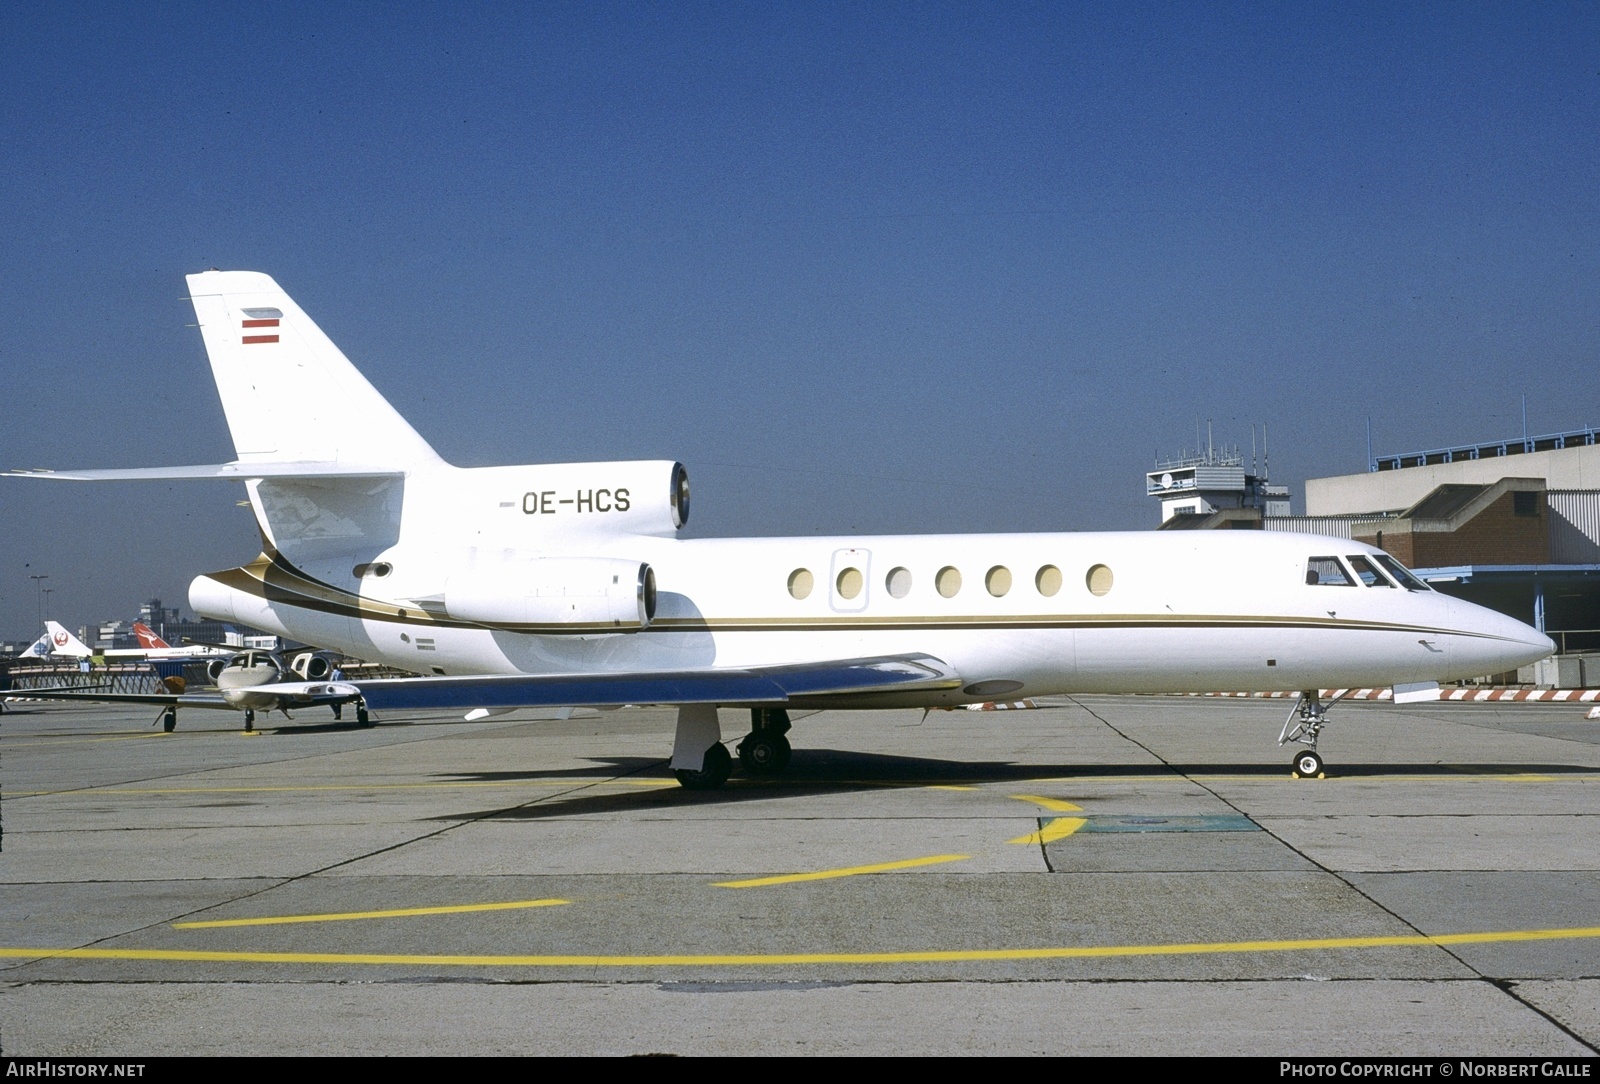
(1327,572)
(1407,578)
(1366,573)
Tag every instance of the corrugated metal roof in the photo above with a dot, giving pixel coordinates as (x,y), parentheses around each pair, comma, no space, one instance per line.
(1328,525)
(1574,526)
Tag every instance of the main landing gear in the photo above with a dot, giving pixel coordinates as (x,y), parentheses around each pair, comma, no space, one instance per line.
(700,760)
(1305,722)
(715,767)
(765,750)
(169,718)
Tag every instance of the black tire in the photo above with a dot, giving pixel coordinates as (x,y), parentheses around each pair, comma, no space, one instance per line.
(714,770)
(764,753)
(362,718)
(1307,765)
(169,721)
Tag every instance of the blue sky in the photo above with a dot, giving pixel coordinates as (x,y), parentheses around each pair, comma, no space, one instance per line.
(862,267)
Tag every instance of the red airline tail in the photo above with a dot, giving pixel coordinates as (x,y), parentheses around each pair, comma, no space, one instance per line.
(147,638)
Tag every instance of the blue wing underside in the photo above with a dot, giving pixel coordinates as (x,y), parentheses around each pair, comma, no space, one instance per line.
(753,687)
(771,686)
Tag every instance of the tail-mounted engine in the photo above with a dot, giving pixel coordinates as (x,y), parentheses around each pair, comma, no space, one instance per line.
(555,595)
(649,497)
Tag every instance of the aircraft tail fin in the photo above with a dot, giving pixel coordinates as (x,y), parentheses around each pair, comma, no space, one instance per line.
(288,392)
(38,649)
(147,637)
(63,642)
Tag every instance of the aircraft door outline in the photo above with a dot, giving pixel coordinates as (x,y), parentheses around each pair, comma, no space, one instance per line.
(850,580)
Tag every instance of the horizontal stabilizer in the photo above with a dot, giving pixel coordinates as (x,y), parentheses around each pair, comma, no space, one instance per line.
(236,471)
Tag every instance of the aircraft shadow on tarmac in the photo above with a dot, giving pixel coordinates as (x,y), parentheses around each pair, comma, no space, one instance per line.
(829,771)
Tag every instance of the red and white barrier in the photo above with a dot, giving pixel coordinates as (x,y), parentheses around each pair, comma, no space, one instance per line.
(1473,694)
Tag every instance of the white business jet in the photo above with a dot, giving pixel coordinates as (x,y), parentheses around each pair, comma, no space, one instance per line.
(566,584)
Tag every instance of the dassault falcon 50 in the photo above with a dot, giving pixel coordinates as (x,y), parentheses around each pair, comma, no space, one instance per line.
(567,584)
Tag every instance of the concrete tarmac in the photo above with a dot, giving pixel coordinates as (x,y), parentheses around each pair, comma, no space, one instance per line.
(1106,875)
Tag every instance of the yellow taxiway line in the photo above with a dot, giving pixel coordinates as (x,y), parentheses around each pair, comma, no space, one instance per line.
(1065,952)
(847,871)
(1060,828)
(1054,805)
(27,743)
(347,916)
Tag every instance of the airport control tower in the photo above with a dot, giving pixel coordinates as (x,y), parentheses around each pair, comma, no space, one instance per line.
(1212,480)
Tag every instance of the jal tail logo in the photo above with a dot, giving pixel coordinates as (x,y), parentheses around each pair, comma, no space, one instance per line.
(61,639)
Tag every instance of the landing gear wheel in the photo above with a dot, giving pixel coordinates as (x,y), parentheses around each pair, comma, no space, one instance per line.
(714,770)
(169,720)
(249,721)
(1307,765)
(764,753)
(362,718)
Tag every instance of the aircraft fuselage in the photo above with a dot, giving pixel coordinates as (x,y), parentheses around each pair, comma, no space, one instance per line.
(1014,614)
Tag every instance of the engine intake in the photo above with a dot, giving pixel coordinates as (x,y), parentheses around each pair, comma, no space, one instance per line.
(312,665)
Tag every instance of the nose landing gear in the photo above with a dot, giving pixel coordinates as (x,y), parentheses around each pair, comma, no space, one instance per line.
(1305,722)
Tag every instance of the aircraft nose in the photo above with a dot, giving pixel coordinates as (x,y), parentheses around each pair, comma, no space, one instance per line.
(1496,642)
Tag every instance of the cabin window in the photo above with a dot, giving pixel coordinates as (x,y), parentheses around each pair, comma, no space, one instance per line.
(1368,575)
(1400,572)
(1047,580)
(1098,580)
(948,581)
(997,581)
(898,582)
(800,583)
(1327,572)
(849,582)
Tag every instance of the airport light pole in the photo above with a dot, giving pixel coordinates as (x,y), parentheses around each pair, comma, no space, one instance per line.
(38,583)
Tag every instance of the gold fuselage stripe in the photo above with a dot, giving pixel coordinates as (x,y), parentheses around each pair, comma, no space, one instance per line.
(271,578)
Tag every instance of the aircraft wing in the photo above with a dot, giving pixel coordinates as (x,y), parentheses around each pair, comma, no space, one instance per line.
(768,685)
(182,700)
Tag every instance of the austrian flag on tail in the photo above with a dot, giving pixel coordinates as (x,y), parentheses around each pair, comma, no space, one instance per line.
(257,318)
